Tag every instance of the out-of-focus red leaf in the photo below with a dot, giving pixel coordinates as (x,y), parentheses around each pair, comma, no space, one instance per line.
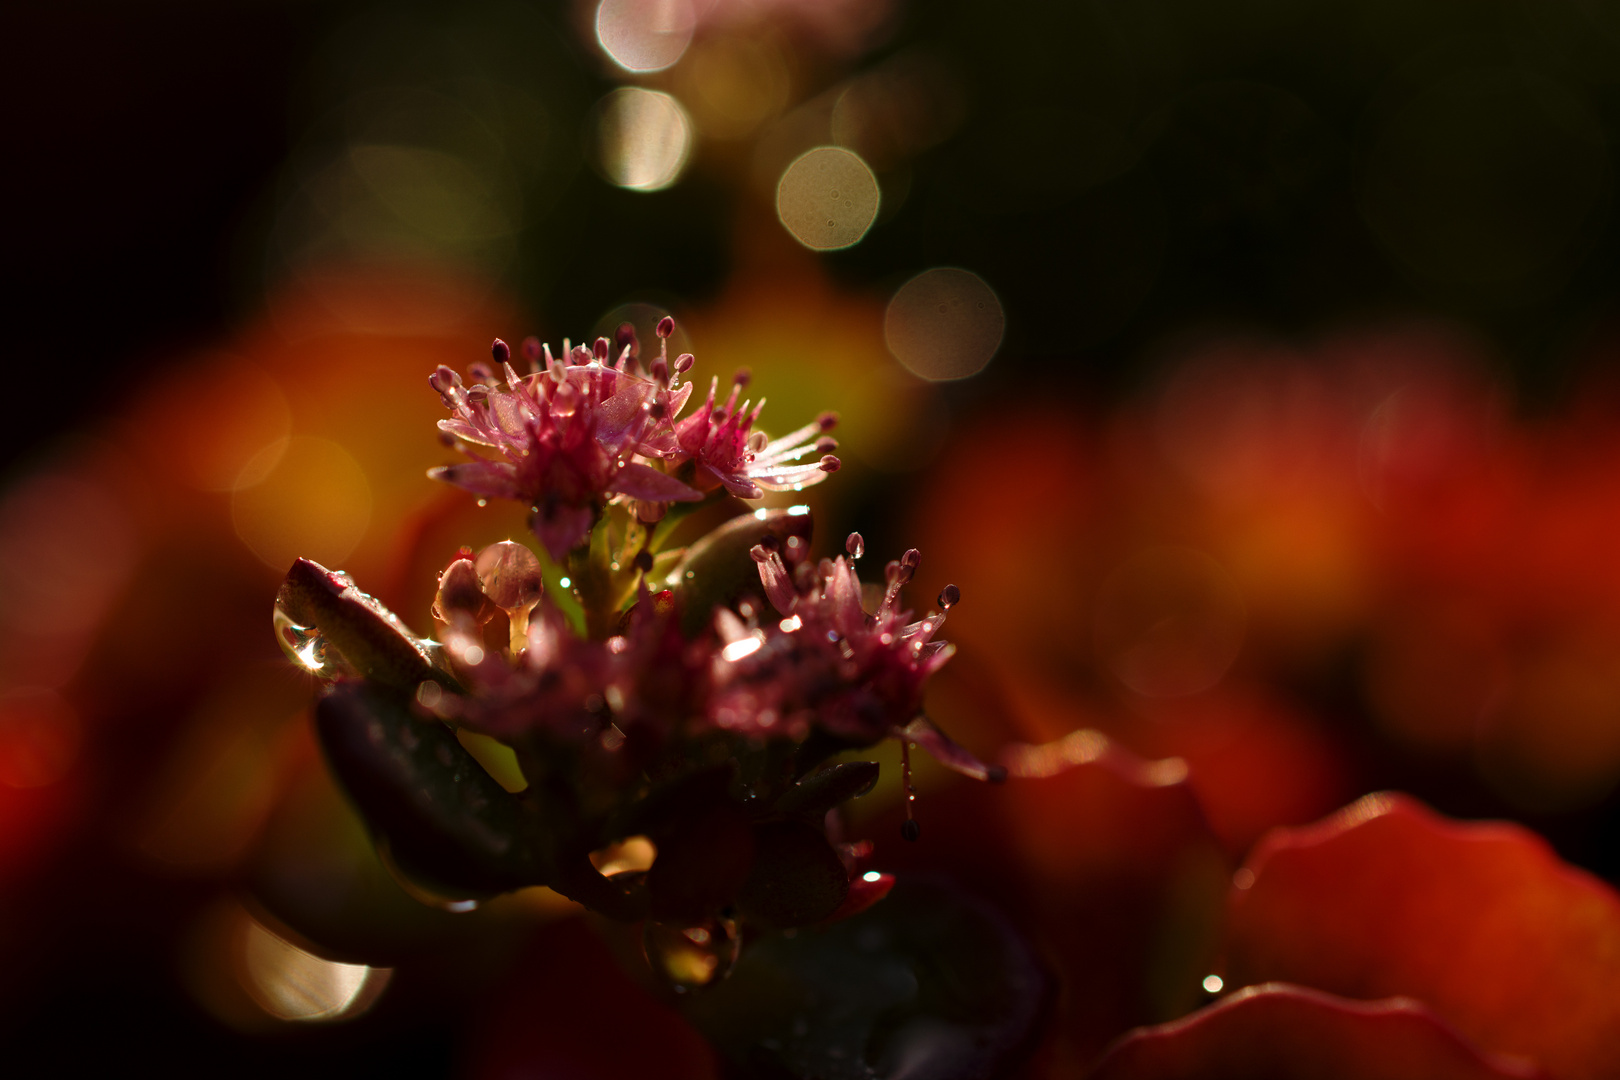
(1107,863)
(570,1011)
(1481,921)
(1282,1032)
(1254,762)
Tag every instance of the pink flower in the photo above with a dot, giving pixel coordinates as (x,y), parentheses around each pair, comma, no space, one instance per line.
(828,663)
(639,685)
(729,453)
(579,432)
(564,438)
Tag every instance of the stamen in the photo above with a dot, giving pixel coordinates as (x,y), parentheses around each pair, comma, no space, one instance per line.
(501,351)
(830,464)
(855,545)
(601,348)
(742,377)
(531,352)
(625,338)
(949,597)
(684,362)
(827,421)
(666,326)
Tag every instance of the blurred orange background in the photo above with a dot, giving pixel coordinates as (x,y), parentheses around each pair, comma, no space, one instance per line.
(1248,370)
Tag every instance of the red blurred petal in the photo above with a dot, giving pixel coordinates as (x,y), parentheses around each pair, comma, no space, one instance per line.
(570,1011)
(1285,1032)
(1479,920)
(863,893)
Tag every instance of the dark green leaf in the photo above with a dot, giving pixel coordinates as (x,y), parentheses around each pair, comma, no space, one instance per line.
(797,878)
(701,866)
(446,822)
(369,636)
(669,803)
(928,984)
(819,792)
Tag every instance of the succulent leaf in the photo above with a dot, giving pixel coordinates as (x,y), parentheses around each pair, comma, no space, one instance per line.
(447,822)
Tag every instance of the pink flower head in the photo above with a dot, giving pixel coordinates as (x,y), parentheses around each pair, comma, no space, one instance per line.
(827,662)
(640,684)
(563,439)
(728,452)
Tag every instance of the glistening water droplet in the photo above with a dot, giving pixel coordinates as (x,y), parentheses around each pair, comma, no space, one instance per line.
(416,890)
(305,647)
(691,956)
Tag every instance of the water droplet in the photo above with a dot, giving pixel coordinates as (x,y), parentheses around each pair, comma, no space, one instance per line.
(483,502)
(305,647)
(691,956)
(418,892)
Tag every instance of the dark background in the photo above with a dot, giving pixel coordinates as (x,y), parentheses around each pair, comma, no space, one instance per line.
(1127,171)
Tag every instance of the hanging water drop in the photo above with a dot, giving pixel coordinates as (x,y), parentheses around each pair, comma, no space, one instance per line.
(691,956)
(909,828)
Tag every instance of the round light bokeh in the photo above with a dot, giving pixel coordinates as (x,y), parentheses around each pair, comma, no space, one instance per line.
(315,502)
(945,323)
(645,35)
(643,138)
(828,198)
(1170,621)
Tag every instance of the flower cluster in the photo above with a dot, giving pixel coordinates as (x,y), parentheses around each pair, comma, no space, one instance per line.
(639,687)
(578,432)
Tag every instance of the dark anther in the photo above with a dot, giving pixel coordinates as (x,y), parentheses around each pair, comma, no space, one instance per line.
(644,560)
(666,326)
(501,351)
(910,830)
